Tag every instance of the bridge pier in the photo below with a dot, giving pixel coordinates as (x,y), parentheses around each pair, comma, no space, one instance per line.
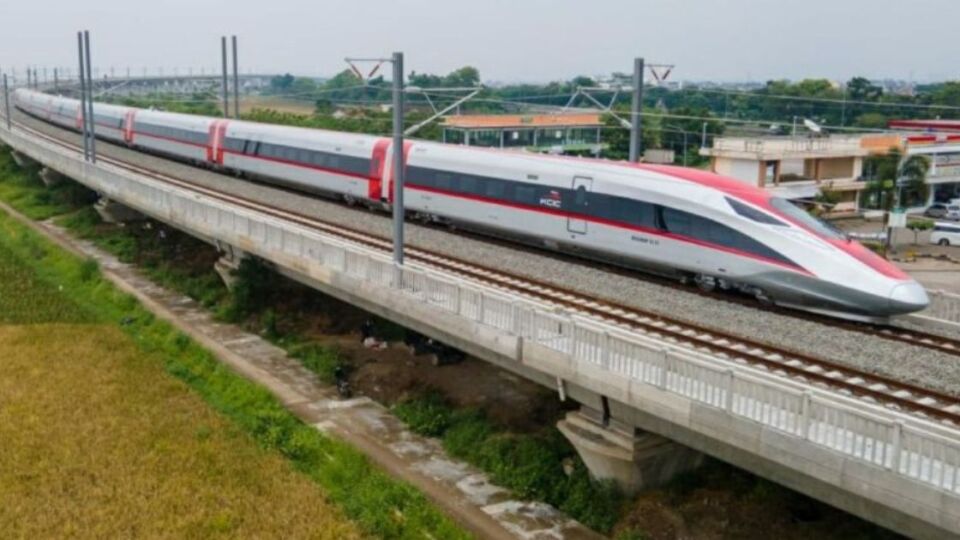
(636,460)
(228,264)
(21,159)
(51,177)
(113,212)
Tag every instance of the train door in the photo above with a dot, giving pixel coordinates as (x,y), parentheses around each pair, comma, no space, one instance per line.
(377,169)
(581,187)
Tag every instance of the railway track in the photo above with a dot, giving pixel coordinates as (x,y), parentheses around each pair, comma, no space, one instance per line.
(794,364)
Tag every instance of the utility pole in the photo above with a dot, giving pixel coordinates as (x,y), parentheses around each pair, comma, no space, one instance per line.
(56,79)
(90,118)
(83,99)
(398,165)
(6,100)
(236,81)
(223,51)
(636,108)
(703,136)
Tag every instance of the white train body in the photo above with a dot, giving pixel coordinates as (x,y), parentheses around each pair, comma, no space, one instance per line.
(684,221)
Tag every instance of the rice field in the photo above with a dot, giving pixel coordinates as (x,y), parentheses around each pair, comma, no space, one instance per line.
(97,440)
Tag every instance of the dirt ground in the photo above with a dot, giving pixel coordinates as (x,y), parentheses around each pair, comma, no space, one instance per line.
(389,375)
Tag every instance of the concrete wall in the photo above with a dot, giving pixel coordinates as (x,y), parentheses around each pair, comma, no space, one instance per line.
(745,170)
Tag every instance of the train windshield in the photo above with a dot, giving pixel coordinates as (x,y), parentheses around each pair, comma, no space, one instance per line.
(795,212)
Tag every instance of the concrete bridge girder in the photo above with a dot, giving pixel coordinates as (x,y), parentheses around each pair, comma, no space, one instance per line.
(112,211)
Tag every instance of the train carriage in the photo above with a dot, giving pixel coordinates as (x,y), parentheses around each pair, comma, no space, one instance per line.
(304,159)
(184,136)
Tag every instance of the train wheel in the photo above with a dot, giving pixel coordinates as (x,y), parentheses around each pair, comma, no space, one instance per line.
(350,200)
(762,297)
(705,283)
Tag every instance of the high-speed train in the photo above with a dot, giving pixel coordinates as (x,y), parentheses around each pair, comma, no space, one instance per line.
(697,226)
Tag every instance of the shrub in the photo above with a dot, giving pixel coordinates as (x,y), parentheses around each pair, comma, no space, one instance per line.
(319,359)
(428,414)
(529,464)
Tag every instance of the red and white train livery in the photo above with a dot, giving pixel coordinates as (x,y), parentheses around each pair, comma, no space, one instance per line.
(696,225)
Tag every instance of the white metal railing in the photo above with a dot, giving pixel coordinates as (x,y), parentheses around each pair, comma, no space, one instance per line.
(788,145)
(901,444)
(944,306)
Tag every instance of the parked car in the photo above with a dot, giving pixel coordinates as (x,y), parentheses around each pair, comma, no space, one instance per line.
(945,234)
(943,210)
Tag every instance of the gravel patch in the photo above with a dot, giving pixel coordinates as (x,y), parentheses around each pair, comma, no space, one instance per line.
(901,361)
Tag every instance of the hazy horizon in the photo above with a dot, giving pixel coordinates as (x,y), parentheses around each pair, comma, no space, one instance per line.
(526,40)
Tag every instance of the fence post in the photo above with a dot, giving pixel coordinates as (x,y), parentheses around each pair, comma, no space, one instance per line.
(515,314)
(731,382)
(456,299)
(664,367)
(605,350)
(805,414)
(896,446)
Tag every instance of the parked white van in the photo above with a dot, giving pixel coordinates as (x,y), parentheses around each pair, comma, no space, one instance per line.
(945,234)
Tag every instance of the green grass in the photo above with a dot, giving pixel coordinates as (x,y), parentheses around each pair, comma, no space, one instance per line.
(24,301)
(381,505)
(531,465)
(22,189)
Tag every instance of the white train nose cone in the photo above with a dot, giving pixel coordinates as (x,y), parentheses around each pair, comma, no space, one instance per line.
(908,297)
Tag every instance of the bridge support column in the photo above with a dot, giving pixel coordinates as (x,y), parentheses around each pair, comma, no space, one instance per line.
(635,460)
(228,264)
(113,212)
(21,159)
(51,177)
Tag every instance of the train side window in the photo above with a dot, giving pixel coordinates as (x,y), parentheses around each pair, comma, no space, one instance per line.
(525,195)
(467,184)
(599,205)
(443,181)
(677,222)
(495,189)
(719,234)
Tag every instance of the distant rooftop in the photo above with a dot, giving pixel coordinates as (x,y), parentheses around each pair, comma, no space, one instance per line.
(926,125)
(506,121)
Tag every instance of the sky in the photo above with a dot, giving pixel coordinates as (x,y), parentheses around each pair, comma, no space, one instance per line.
(507,40)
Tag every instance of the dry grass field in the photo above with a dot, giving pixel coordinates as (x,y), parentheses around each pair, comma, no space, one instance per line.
(96,440)
(295,106)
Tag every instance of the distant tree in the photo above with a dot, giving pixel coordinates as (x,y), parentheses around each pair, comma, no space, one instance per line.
(861,89)
(912,176)
(919,225)
(465,76)
(281,83)
(582,80)
(947,94)
(303,87)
